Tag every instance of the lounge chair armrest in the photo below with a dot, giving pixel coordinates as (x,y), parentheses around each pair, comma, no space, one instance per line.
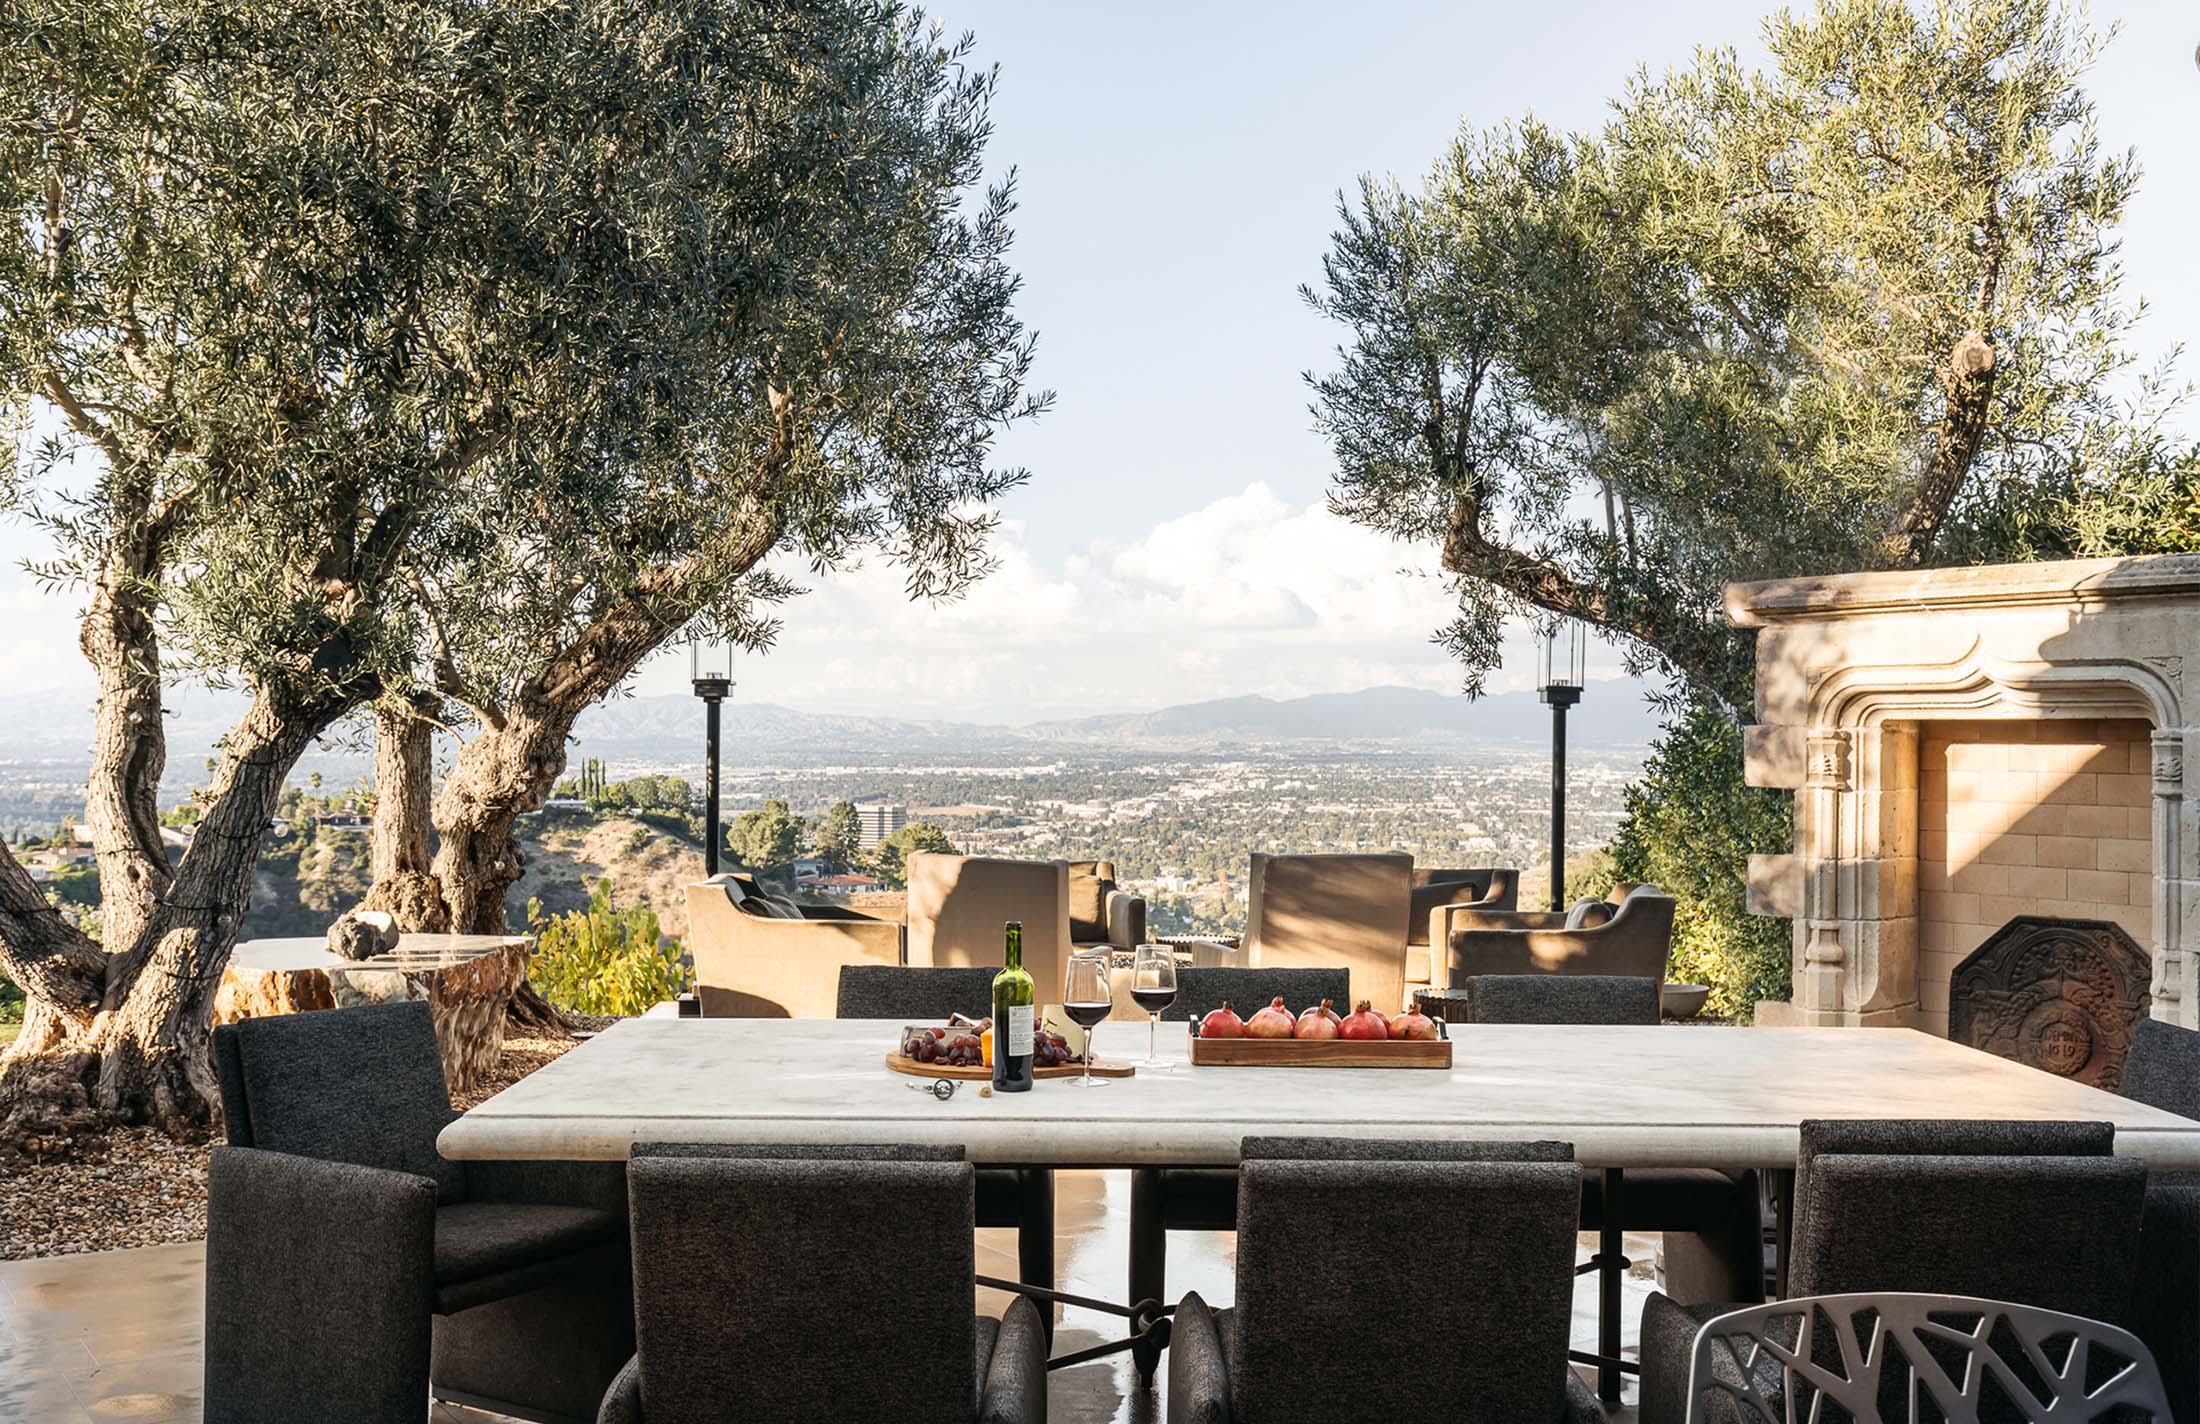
(1126,916)
(320,1283)
(1015,1390)
(1199,1365)
(1447,920)
(622,1403)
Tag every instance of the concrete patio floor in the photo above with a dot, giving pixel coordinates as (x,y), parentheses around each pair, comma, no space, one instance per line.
(116,1335)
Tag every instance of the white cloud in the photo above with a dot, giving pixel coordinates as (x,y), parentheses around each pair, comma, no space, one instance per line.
(1247,593)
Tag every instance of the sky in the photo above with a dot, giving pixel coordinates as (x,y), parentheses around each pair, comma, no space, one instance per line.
(1177,168)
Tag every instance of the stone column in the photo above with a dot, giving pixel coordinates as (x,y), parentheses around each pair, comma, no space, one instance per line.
(1819,996)
(2176,878)
(1878,878)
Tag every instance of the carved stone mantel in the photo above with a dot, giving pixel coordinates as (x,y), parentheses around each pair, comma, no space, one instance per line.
(1849,666)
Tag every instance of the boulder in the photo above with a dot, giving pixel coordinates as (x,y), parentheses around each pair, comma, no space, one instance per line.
(363,934)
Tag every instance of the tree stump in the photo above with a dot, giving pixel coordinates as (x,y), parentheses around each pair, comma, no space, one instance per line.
(468,981)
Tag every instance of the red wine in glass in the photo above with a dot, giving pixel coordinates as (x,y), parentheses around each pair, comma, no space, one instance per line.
(1153,1001)
(1086,1015)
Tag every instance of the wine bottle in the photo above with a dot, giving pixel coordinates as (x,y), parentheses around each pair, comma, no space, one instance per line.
(1014,1002)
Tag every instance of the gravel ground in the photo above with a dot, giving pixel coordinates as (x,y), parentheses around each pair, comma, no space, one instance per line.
(137,1187)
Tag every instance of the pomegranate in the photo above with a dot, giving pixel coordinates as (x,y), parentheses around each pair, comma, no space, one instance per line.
(1275,1021)
(1222,1023)
(1412,1024)
(1327,1009)
(1316,1022)
(1364,1023)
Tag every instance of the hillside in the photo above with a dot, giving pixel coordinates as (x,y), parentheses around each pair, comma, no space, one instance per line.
(300,890)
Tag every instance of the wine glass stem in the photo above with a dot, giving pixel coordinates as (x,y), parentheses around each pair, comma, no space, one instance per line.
(1153,1038)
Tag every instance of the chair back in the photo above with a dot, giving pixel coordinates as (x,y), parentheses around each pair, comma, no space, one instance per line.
(2061,1233)
(913,996)
(958,905)
(1479,1237)
(1201,991)
(360,1085)
(803,1290)
(2162,1068)
(1886,1357)
(1489,887)
(1560,999)
(1307,911)
(1939,1137)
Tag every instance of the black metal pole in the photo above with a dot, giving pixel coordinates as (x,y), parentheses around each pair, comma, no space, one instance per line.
(1558,807)
(710,787)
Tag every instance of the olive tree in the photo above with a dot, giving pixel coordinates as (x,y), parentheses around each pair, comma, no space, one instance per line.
(1858,309)
(839,353)
(295,300)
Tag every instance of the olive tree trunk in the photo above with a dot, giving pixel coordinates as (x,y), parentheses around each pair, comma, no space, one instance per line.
(122,1034)
(402,851)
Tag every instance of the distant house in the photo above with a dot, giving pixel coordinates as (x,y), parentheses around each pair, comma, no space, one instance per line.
(565,806)
(341,821)
(839,884)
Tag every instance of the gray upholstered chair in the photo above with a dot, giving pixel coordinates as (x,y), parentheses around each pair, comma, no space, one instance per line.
(1946,1207)
(1166,1199)
(913,995)
(2163,1071)
(761,1292)
(1559,998)
(348,1265)
(1858,1357)
(1634,941)
(1022,1197)
(1459,1306)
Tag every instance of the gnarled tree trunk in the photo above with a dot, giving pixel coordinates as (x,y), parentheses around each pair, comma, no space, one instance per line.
(123,1035)
(401,856)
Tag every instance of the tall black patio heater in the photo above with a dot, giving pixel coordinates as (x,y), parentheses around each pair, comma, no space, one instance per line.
(1561,657)
(710,668)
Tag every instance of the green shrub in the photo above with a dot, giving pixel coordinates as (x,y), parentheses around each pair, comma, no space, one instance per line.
(603,960)
(11,1001)
(1690,829)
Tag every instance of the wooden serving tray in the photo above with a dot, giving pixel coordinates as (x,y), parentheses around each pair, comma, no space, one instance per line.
(901,1063)
(1321,1053)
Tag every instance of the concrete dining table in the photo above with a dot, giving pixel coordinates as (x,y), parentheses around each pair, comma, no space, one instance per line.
(1634,1096)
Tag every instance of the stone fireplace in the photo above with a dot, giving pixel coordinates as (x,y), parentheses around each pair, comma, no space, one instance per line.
(1978,756)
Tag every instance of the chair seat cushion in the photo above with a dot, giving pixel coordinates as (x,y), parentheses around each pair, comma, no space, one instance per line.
(981,1347)
(1664,1199)
(1668,1347)
(477,1239)
(1199,1198)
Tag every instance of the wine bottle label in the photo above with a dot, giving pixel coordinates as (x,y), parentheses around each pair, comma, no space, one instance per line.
(1019,1038)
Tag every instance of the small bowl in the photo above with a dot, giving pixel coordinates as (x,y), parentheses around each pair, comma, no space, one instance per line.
(1684,1001)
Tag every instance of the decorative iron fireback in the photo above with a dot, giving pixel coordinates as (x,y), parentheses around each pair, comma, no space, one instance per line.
(2062,995)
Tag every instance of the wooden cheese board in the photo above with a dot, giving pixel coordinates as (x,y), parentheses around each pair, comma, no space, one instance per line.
(1321,1052)
(902,1063)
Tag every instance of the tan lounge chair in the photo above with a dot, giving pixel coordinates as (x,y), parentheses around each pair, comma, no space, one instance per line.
(759,957)
(1631,937)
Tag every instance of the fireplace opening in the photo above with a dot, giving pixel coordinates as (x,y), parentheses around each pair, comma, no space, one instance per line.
(2062,995)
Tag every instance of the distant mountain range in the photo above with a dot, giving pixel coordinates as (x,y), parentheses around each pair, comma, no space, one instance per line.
(56,727)
(639,728)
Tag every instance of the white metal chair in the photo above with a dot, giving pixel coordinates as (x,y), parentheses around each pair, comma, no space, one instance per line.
(1970,1361)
